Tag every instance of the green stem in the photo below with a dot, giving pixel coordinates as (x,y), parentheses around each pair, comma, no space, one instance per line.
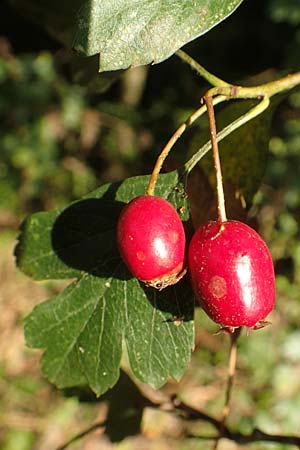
(262,90)
(212,79)
(222,87)
(253,112)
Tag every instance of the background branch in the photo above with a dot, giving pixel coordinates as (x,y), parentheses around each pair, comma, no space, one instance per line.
(189,413)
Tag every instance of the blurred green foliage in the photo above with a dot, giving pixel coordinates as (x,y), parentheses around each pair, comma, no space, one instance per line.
(285,11)
(40,129)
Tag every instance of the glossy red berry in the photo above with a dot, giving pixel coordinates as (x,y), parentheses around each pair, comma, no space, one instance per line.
(151,240)
(232,274)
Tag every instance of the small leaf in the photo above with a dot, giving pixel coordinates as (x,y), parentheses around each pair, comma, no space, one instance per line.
(131,33)
(81,329)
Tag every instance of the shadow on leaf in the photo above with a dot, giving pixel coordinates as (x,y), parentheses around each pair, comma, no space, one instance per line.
(176,300)
(84,238)
(84,235)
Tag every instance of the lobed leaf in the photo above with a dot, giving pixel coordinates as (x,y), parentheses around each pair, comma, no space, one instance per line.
(82,329)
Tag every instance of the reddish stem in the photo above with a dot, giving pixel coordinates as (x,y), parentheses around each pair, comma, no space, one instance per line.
(215,150)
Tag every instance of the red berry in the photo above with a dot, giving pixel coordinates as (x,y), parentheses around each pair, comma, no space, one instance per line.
(232,274)
(151,241)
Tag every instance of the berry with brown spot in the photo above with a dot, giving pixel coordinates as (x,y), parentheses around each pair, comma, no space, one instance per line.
(232,274)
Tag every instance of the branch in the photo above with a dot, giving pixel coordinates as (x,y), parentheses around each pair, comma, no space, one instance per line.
(231,374)
(263,90)
(186,412)
(232,91)
(82,434)
(189,413)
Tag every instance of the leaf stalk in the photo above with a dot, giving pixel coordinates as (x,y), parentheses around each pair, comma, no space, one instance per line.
(211,78)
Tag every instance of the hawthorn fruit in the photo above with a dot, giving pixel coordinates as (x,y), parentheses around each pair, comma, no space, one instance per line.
(232,274)
(151,241)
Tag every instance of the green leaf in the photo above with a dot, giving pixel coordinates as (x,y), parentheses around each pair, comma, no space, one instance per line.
(66,243)
(127,32)
(136,32)
(82,329)
(159,340)
(62,326)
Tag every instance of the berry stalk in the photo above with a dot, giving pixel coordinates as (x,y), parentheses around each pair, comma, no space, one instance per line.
(217,163)
(240,121)
(173,139)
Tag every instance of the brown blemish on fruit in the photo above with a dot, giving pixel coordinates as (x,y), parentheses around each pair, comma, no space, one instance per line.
(217,287)
(141,256)
(173,237)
